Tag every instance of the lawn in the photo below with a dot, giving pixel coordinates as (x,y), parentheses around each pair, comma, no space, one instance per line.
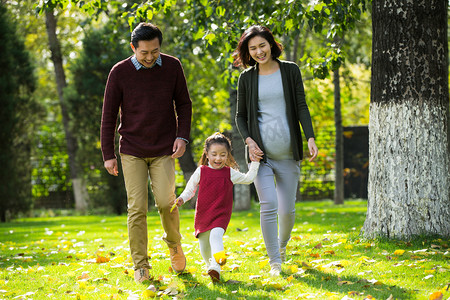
(87,257)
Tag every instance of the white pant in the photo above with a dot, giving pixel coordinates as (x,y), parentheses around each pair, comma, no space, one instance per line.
(276,184)
(211,242)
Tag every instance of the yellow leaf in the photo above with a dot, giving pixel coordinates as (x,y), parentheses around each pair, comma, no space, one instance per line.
(290,278)
(192,270)
(82,284)
(220,257)
(345,263)
(436,296)
(292,269)
(429,271)
(148,294)
(348,247)
(399,252)
(80,297)
(263,263)
(343,241)
(239,243)
(276,285)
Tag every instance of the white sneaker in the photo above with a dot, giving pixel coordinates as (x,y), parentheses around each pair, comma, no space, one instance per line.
(283,255)
(214,270)
(275,270)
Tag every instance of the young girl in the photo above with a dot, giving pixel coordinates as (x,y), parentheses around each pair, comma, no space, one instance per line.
(271,103)
(215,178)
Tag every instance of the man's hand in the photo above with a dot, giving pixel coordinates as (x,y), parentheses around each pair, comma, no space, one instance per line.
(111,166)
(179,146)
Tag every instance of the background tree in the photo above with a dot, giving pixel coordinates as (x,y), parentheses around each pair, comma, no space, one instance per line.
(18,115)
(79,188)
(102,48)
(409,181)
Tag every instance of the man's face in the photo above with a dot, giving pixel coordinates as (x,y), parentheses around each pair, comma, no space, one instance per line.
(147,52)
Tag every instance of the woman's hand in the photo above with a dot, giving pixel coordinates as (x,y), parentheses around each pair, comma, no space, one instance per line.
(254,151)
(313,150)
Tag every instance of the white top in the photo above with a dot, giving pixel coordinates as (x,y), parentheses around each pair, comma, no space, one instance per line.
(235,176)
(272,117)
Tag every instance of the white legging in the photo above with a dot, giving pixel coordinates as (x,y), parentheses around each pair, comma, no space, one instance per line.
(276,184)
(211,242)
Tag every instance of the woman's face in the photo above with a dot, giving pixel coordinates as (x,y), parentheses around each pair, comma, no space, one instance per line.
(260,50)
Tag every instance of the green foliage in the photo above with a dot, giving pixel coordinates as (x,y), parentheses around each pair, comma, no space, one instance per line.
(18,115)
(50,172)
(84,96)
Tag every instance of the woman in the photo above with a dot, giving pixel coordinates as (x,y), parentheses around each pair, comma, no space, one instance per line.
(271,102)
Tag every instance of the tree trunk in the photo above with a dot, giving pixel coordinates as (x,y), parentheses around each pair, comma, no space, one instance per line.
(339,139)
(242,195)
(79,188)
(188,166)
(408,191)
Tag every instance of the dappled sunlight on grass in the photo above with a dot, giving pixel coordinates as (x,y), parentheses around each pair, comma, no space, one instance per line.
(88,258)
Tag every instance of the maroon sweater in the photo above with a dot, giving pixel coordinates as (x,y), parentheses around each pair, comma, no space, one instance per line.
(155,108)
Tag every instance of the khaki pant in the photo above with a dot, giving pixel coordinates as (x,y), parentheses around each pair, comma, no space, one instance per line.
(136,172)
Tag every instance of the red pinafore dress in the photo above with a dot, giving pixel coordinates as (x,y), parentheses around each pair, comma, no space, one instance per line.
(215,199)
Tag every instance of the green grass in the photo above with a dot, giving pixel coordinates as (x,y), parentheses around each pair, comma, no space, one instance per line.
(55,258)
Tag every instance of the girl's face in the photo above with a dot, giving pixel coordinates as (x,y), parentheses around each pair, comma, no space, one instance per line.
(217,155)
(259,49)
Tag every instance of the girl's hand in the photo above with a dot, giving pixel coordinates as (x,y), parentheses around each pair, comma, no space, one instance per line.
(313,150)
(178,202)
(254,151)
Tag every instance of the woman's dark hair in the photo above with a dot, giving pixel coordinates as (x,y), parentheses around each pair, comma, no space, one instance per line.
(218,138)
(242,56)
(145,32)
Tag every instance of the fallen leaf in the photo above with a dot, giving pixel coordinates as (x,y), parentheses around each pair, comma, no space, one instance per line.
(148,294)
(263,263)
(220,257)
(436,296)
(318,246)
(399,252)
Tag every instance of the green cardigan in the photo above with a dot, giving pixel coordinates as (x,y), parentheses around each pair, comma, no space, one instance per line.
(296,107)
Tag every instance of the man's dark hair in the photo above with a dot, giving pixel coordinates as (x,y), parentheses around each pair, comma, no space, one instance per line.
(145,32)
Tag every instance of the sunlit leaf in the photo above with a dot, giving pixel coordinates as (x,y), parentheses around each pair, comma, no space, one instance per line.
(399,252)
(436,296)
(220,257)
(263,263)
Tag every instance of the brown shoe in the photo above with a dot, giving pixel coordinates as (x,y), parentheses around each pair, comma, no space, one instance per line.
(141,275)
(177,259)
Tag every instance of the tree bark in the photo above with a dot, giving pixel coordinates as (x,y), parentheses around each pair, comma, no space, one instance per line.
(79,188)
(242,195)
(409,189)
(339,141)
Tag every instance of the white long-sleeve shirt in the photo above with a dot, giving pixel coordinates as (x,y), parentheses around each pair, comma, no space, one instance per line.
(235,176)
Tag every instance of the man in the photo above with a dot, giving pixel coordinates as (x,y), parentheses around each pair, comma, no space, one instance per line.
(150,90)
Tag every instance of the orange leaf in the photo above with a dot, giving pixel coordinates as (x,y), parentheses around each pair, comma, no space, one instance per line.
(436,296)
(316,255)
(101,259)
